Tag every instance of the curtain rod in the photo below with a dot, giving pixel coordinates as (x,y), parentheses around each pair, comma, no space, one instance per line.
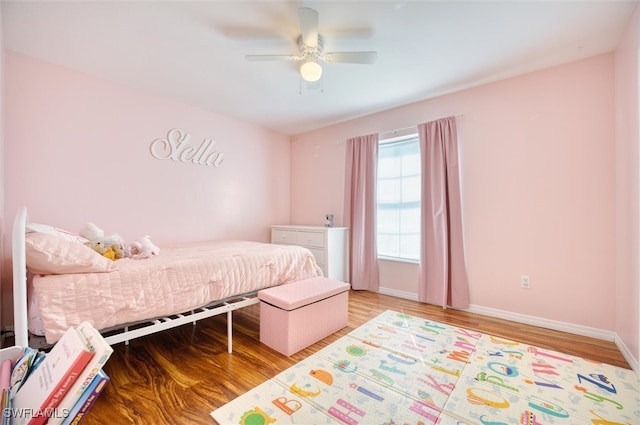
(403,128)
(397,130)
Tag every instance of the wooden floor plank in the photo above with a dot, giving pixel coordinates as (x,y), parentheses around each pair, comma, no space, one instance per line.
(180,376)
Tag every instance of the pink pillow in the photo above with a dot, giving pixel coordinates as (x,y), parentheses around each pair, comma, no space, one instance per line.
(48,254)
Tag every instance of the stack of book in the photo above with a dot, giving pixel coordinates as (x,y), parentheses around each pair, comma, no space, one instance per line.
(59,387)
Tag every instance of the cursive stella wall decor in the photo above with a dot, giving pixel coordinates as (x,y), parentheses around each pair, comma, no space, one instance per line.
(176,147)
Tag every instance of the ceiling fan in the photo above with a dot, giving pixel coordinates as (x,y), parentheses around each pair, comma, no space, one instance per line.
(311,50)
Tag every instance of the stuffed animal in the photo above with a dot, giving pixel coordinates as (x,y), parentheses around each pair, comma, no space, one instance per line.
(102,249)
(143,248)
(93,233)
(118,251)
(108,246)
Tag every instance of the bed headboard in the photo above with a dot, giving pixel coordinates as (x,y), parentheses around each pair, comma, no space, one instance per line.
(18,253)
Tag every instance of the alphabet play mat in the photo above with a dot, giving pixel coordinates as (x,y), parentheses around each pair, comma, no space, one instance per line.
(401,369)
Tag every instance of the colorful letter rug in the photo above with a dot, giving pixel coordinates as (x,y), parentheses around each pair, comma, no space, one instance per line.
(401,369)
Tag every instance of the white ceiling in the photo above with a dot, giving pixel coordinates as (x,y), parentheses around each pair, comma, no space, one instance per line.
(193,51)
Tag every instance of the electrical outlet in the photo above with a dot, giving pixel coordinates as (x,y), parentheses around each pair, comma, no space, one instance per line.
(525,282)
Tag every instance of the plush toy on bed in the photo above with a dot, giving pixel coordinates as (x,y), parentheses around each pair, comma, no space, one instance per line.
(93,233)
(113,252)
(143,248)
(118,251)
(107,246)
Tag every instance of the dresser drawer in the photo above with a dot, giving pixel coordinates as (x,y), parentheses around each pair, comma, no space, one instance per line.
(328,245)
(283,236)
(315,239)
(318,254)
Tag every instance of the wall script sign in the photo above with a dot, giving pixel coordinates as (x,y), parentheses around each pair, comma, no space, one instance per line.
(177,148)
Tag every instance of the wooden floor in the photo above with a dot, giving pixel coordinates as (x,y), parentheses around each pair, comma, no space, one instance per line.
(180,376)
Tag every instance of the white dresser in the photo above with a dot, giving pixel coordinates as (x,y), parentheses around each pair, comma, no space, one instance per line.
(330,246)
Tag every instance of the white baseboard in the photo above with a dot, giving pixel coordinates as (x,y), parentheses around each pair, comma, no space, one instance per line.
(399,294)
(628,356)
(544,323)
(520,318)
(537,321)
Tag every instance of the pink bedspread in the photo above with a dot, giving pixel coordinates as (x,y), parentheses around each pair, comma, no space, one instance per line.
(178,280)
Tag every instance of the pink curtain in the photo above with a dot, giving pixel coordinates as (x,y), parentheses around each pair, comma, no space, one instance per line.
(360,211)
(443,279)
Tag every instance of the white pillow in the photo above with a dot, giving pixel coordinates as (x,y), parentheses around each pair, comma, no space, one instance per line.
(54,231)
(48,254)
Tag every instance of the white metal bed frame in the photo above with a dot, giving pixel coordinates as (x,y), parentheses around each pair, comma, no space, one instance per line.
(125,334)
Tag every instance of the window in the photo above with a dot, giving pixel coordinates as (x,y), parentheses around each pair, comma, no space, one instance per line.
(399,198)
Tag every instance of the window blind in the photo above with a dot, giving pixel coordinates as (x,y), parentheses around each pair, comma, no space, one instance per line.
(398,209)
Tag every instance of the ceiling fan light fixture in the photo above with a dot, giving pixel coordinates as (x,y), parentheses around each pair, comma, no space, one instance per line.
(311,71)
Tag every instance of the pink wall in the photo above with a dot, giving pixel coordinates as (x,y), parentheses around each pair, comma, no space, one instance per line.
(78,150)
(538,171)
(628,188)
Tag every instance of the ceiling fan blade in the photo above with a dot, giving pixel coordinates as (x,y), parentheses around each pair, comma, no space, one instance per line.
(309,26)
(264,58)
(350,33)
(351,57)
(250,34)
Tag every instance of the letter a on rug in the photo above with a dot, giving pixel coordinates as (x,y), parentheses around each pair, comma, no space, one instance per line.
(401,369)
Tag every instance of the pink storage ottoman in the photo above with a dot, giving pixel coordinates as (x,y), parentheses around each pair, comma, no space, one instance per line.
(295,315)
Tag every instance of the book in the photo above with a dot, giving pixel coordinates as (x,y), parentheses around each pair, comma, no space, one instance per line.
(8,356)
(40,394)
(102,351)
(86,400)
(25,364)
(6,406)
